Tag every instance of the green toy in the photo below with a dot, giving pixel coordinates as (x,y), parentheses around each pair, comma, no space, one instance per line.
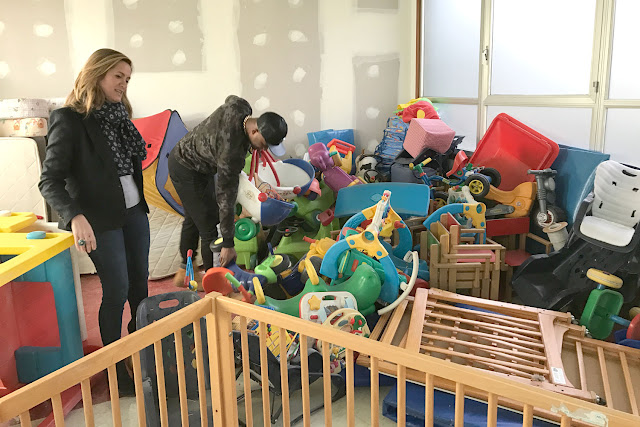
(364,285)
(245,242)
(350,260)
(272,266)
(602,308)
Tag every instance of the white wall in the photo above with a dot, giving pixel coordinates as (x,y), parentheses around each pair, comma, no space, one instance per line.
(345,29)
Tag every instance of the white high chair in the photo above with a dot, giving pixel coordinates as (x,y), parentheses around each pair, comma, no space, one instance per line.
(608,217)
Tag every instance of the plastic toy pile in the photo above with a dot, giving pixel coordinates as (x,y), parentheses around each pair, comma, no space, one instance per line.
(334,238)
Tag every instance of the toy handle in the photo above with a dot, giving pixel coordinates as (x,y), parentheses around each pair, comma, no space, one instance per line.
(412,282)
(234,282)
(619,320)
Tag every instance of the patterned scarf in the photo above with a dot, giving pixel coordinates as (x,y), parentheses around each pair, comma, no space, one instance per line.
(122,136)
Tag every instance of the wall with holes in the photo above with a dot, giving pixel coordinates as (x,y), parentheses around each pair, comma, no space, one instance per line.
(320,64)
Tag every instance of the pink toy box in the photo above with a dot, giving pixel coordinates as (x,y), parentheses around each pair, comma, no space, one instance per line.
(428,133)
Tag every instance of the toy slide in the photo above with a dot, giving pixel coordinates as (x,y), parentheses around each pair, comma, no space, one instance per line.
(262,209)
(408,199)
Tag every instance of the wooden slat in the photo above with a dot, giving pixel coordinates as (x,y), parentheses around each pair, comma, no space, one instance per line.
(459,408)
(304,379)
(492,410)
(115,398)
(541,371)
(392,326)
(351,412)
(58,412)
(72,374)
(428,400)
(264,374)
(565,421)
(417,319)
(511,342)
(527,416)
(497,351)
(284,377)
(401,401)
(244,342)
(581,370)
(162,388)
(628,383)
(375,392)
(507,320)
(605,377)
(380,326)
(202,393)
(25,419)
(326,382)
(137,380)
(213,347)
(87,403)
(533,336)
(182,384)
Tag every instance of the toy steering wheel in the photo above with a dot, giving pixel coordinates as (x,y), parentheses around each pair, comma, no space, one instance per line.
(392,222)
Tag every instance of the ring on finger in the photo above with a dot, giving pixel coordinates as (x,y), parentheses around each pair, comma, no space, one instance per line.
(81,242)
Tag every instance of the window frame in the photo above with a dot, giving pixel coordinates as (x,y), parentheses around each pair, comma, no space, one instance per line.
(597,99)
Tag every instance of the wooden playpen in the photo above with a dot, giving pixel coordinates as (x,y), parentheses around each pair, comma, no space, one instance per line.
(404,364)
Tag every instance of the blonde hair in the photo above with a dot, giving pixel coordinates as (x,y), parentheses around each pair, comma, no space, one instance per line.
(87,95)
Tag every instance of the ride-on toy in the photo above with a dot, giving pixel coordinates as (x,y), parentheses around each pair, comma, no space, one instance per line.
(602,308)
(546,212)
(477,178)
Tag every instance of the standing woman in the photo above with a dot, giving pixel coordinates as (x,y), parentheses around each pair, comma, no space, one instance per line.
(92,176)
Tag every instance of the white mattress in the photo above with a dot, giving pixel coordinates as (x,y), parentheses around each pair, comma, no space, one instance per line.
(164,253)
(19,174)
(24,107)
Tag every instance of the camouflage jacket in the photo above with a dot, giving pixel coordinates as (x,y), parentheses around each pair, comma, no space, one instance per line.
(219,145)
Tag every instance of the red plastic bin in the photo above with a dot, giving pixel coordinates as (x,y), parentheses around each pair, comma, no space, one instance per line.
(513,148)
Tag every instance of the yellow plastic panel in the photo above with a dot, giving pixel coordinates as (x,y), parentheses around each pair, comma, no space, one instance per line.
(16,221)
(29,252)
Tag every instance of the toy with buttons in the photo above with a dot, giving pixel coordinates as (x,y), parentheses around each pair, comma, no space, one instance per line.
(318,306)
(348,320)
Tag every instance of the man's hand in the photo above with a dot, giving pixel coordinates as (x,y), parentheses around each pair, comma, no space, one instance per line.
(227,255)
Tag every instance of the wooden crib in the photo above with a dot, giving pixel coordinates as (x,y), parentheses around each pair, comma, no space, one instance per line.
(219,312)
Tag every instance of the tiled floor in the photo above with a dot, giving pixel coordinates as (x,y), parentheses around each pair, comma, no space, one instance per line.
(128,410)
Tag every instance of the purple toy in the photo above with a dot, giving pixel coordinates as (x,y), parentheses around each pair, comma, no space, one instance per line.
(329,165)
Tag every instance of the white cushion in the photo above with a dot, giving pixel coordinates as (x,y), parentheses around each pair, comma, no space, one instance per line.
(606,231)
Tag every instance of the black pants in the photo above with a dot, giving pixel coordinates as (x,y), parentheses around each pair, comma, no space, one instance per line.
(122,261)
(201,215)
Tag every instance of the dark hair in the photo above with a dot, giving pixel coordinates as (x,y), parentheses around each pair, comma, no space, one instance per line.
(272,127)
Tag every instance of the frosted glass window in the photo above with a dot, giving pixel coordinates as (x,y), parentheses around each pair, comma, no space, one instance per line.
(567,126)
(542,47)
(621,135)
(625,61)
(451,47)
(463,119)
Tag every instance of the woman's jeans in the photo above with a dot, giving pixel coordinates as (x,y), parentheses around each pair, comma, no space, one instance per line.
(122,261)
(201,216)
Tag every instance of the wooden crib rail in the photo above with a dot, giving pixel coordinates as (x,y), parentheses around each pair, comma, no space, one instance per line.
(218,311)
(51,386)
(568,410)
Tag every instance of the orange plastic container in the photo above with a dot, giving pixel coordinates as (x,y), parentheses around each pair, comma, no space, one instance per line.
(513,148)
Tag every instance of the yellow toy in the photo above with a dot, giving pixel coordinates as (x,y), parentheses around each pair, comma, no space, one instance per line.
(521,198)
(10,222)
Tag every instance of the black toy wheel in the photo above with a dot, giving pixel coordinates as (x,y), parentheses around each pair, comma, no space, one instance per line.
(553,215)
(478,185)
(440,198)
(494,175)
